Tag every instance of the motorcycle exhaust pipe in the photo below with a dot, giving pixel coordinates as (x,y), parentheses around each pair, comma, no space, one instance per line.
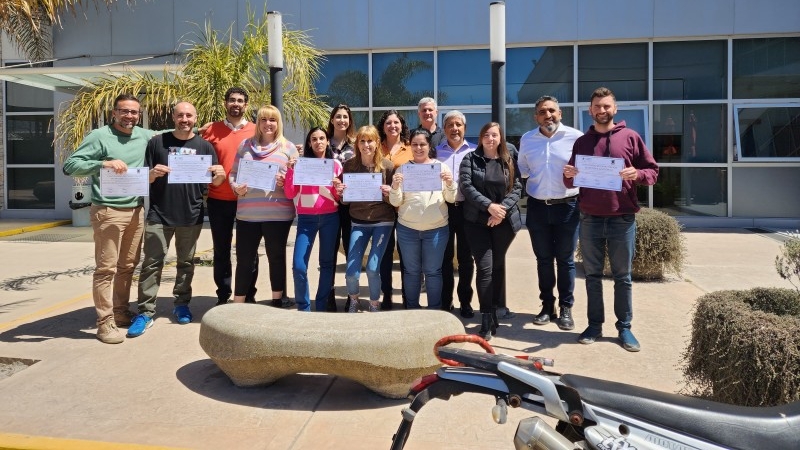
(534,433)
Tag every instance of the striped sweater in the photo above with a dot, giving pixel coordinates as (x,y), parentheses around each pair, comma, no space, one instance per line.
(258,205)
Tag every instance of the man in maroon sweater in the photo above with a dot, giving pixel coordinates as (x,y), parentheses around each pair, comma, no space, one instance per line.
(608,216)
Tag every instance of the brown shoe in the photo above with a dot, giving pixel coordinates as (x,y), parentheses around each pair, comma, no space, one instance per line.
(108,333)
(124,318)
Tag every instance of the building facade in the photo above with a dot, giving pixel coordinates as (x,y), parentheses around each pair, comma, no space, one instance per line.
(712,86)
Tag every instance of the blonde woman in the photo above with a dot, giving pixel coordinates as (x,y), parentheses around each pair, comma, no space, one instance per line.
(263,214)
(371,220)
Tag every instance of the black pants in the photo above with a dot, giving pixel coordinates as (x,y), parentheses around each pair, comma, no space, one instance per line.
(248,239)
(489,246)
(345,226)
(458,246)
(222,217)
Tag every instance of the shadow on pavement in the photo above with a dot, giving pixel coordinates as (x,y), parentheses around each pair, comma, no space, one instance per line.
(71,325)
(299,392)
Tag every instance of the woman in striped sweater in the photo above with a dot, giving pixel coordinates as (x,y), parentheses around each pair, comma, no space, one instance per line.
(263,214)
(316,214)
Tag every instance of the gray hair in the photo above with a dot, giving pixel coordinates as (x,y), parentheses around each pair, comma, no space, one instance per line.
(455,114)
(425,100)
(546,98)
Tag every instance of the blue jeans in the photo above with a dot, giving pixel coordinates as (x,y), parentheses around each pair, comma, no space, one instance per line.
(308,225)
(422,253)
(554,236)
(359,238)
(618,233)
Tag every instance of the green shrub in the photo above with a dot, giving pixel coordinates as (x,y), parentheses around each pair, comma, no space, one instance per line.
(788,262)
(745,347)
(660,246)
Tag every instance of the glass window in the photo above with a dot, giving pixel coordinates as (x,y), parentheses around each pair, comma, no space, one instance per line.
(689,133)
(344,79)
(692,191)
(768,132)
(690,70)
(766,68)
(619,67)
(31,188)
(464,77)
(635,118)
(537,71)
(22,98)
(30,139)
(402,78)
(520,120)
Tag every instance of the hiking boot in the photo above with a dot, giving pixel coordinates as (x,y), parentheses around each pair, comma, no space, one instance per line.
(108,333)
(182,314)
(353,306)
(628,341)
(545,315)
(139,325)
(590,335)
(565,321)
(123,318)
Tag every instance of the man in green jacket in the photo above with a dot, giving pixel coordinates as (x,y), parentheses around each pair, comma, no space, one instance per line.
(117,221)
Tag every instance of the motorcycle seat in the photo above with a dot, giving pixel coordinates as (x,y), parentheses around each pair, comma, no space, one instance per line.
(738,427)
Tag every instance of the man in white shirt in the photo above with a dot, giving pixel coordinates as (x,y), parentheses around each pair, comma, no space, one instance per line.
(553,215)
(450,152)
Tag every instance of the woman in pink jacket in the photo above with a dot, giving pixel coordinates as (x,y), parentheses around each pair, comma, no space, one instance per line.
(316,214)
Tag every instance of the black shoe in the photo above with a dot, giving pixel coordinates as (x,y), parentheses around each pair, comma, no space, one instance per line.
(590,335)
(467,312)
(504,313)
(386,304)
(545,315)
(486,326)
(331,302)
(565,321)
(249,300)
(283,302)
(221,302)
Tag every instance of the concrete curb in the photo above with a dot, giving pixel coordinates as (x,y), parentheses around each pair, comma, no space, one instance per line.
(37,227)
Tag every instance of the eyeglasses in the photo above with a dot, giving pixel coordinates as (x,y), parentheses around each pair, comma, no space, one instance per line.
(128,112)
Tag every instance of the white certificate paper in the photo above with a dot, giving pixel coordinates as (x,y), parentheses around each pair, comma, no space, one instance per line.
(257,174)
(422,177)
(134,182)
(599,172)
(189,169)
(313,172)
(362,187)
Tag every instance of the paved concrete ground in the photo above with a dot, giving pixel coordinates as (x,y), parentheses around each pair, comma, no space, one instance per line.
(161,390)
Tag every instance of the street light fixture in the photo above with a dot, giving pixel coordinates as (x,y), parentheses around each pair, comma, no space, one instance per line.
(275,55)
(497,56)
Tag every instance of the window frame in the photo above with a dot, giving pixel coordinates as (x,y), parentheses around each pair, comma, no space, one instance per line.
(737,107)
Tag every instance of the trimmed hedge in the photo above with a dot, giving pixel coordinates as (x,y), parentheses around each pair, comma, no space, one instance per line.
(745,347)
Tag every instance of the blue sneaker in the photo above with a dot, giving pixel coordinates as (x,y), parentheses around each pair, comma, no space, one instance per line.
(590,334)
(139,324)
(629,342)
(182,314)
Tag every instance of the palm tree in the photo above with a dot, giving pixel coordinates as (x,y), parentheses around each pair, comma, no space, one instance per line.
(212,63)
(27,22)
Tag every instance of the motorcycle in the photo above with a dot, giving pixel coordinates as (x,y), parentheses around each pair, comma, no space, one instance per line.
(592,413)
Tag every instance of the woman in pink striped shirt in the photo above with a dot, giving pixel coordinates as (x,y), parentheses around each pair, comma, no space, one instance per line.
(316,214)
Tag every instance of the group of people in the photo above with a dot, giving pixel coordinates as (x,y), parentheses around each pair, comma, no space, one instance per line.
(471,217)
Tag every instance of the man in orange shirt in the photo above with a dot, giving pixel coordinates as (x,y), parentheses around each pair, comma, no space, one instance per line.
(226,136)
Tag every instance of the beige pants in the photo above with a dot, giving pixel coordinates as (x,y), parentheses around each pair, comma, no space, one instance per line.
(117,246)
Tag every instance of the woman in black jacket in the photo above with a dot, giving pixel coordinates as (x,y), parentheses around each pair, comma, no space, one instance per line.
(490,180)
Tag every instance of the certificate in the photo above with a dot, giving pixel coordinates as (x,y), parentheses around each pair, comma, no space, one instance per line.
(189,169)
(257,174)
(134,182)
(599,172)
(422,177)
(313,172)
(363,187)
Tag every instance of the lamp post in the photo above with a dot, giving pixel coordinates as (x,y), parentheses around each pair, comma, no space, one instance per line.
(497,56)
(275,54)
